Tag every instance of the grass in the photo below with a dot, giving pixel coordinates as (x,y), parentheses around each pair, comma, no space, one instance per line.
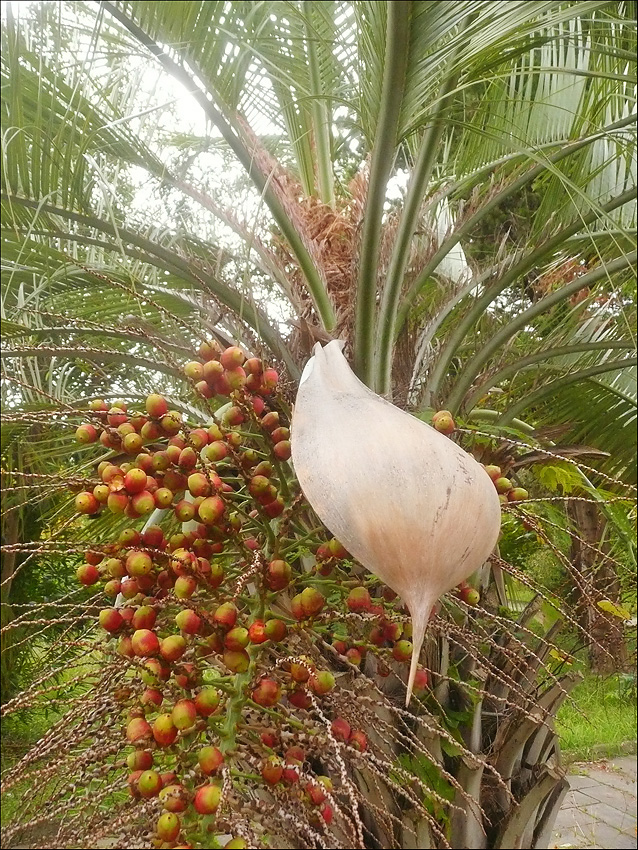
(604,720)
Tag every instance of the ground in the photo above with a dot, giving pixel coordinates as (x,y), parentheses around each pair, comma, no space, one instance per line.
(599,810)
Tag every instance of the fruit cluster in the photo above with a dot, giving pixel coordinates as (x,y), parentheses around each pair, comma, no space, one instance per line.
(235,619)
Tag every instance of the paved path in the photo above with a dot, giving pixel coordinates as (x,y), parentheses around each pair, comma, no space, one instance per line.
(600,809)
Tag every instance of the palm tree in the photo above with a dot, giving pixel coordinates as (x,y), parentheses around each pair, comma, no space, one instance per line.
(449,187)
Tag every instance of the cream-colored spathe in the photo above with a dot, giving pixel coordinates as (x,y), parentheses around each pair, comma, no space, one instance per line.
(408,503)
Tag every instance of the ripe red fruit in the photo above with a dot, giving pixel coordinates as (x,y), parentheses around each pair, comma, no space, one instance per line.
(257,632)
(402,650)
(278,575)
(236,661)
(210,510)
(421,680)
(359,741)
(188,621)
(86,434)
(392,631)
(172,647)
(185,587)
(236,378)
(272,771)
(354,655)
(210,759)
(174,798)
(132,784)
(300,698)
(282,450)
(232,357)
(233,416)
(207,701)
(213,371)
(269,738)
(129,588)
(267,693)
(149,784)
(138,730)
(142,503)
(156,405)
(138,563)
(280,434)
(269,381)
(312,601)
(112,588)
(87,574)
(207,799)
(469,595)
(237,638)
(443,422)
(275,508)
(276,630)
(116,417)
(184,714)
(135,480)
(152,697)
(270,421)
(154,671)
(117,503)
(164,730)
(226,615)
(144,617)
(140,760)
(86,503)
(168,827)
(145,642)
(322,682)
(493,471)
(341,729)
(359,599)
(110,619)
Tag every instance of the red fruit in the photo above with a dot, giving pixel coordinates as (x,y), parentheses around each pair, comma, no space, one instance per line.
(145,642)
(152,697)
(209,350)
(211,510)
(194,370)
(86,434)
(443,422)
(322,682)
(392,631)
(156,405)
(359,599)
(402,650)
(164,730)
(185,587)
(226,615)
(359,741)
(300,672)
(312,601)
(233,416)
(269,738)
(207,701)
(132,443)
(236,378)
(210,759)
(129,588)
(258,403)
(267,693)
(354,655)
(269,381)
(275,508)
(142,503)
(135,480)
(270,421)
(154,671)
(494,472)
(290,774)
(300,698)
(87,574)
(296,607)
(469,595)
(421,680)
(140,760)
(125,647)
(341,729)
(236,661)
(518,494)
(257,632)
(237,638)
(188,621)
(280,434)
(138,563)
(154,537)
(340,646)
(198,438)
(172,647)
(110,619)
(232,357)
(327,813)
(112,588)
(278,575)
(168,827)
(207,799)
(184,714)
(149,784)
(282,450)
(272,771)
(213,371)
(217,451)
(86,503)
(174,798)
(336,549)
(188,458)
(117,503)
(276,630)
(138,730)
(116,417)
(295,754)
(184,511)
(144,617)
